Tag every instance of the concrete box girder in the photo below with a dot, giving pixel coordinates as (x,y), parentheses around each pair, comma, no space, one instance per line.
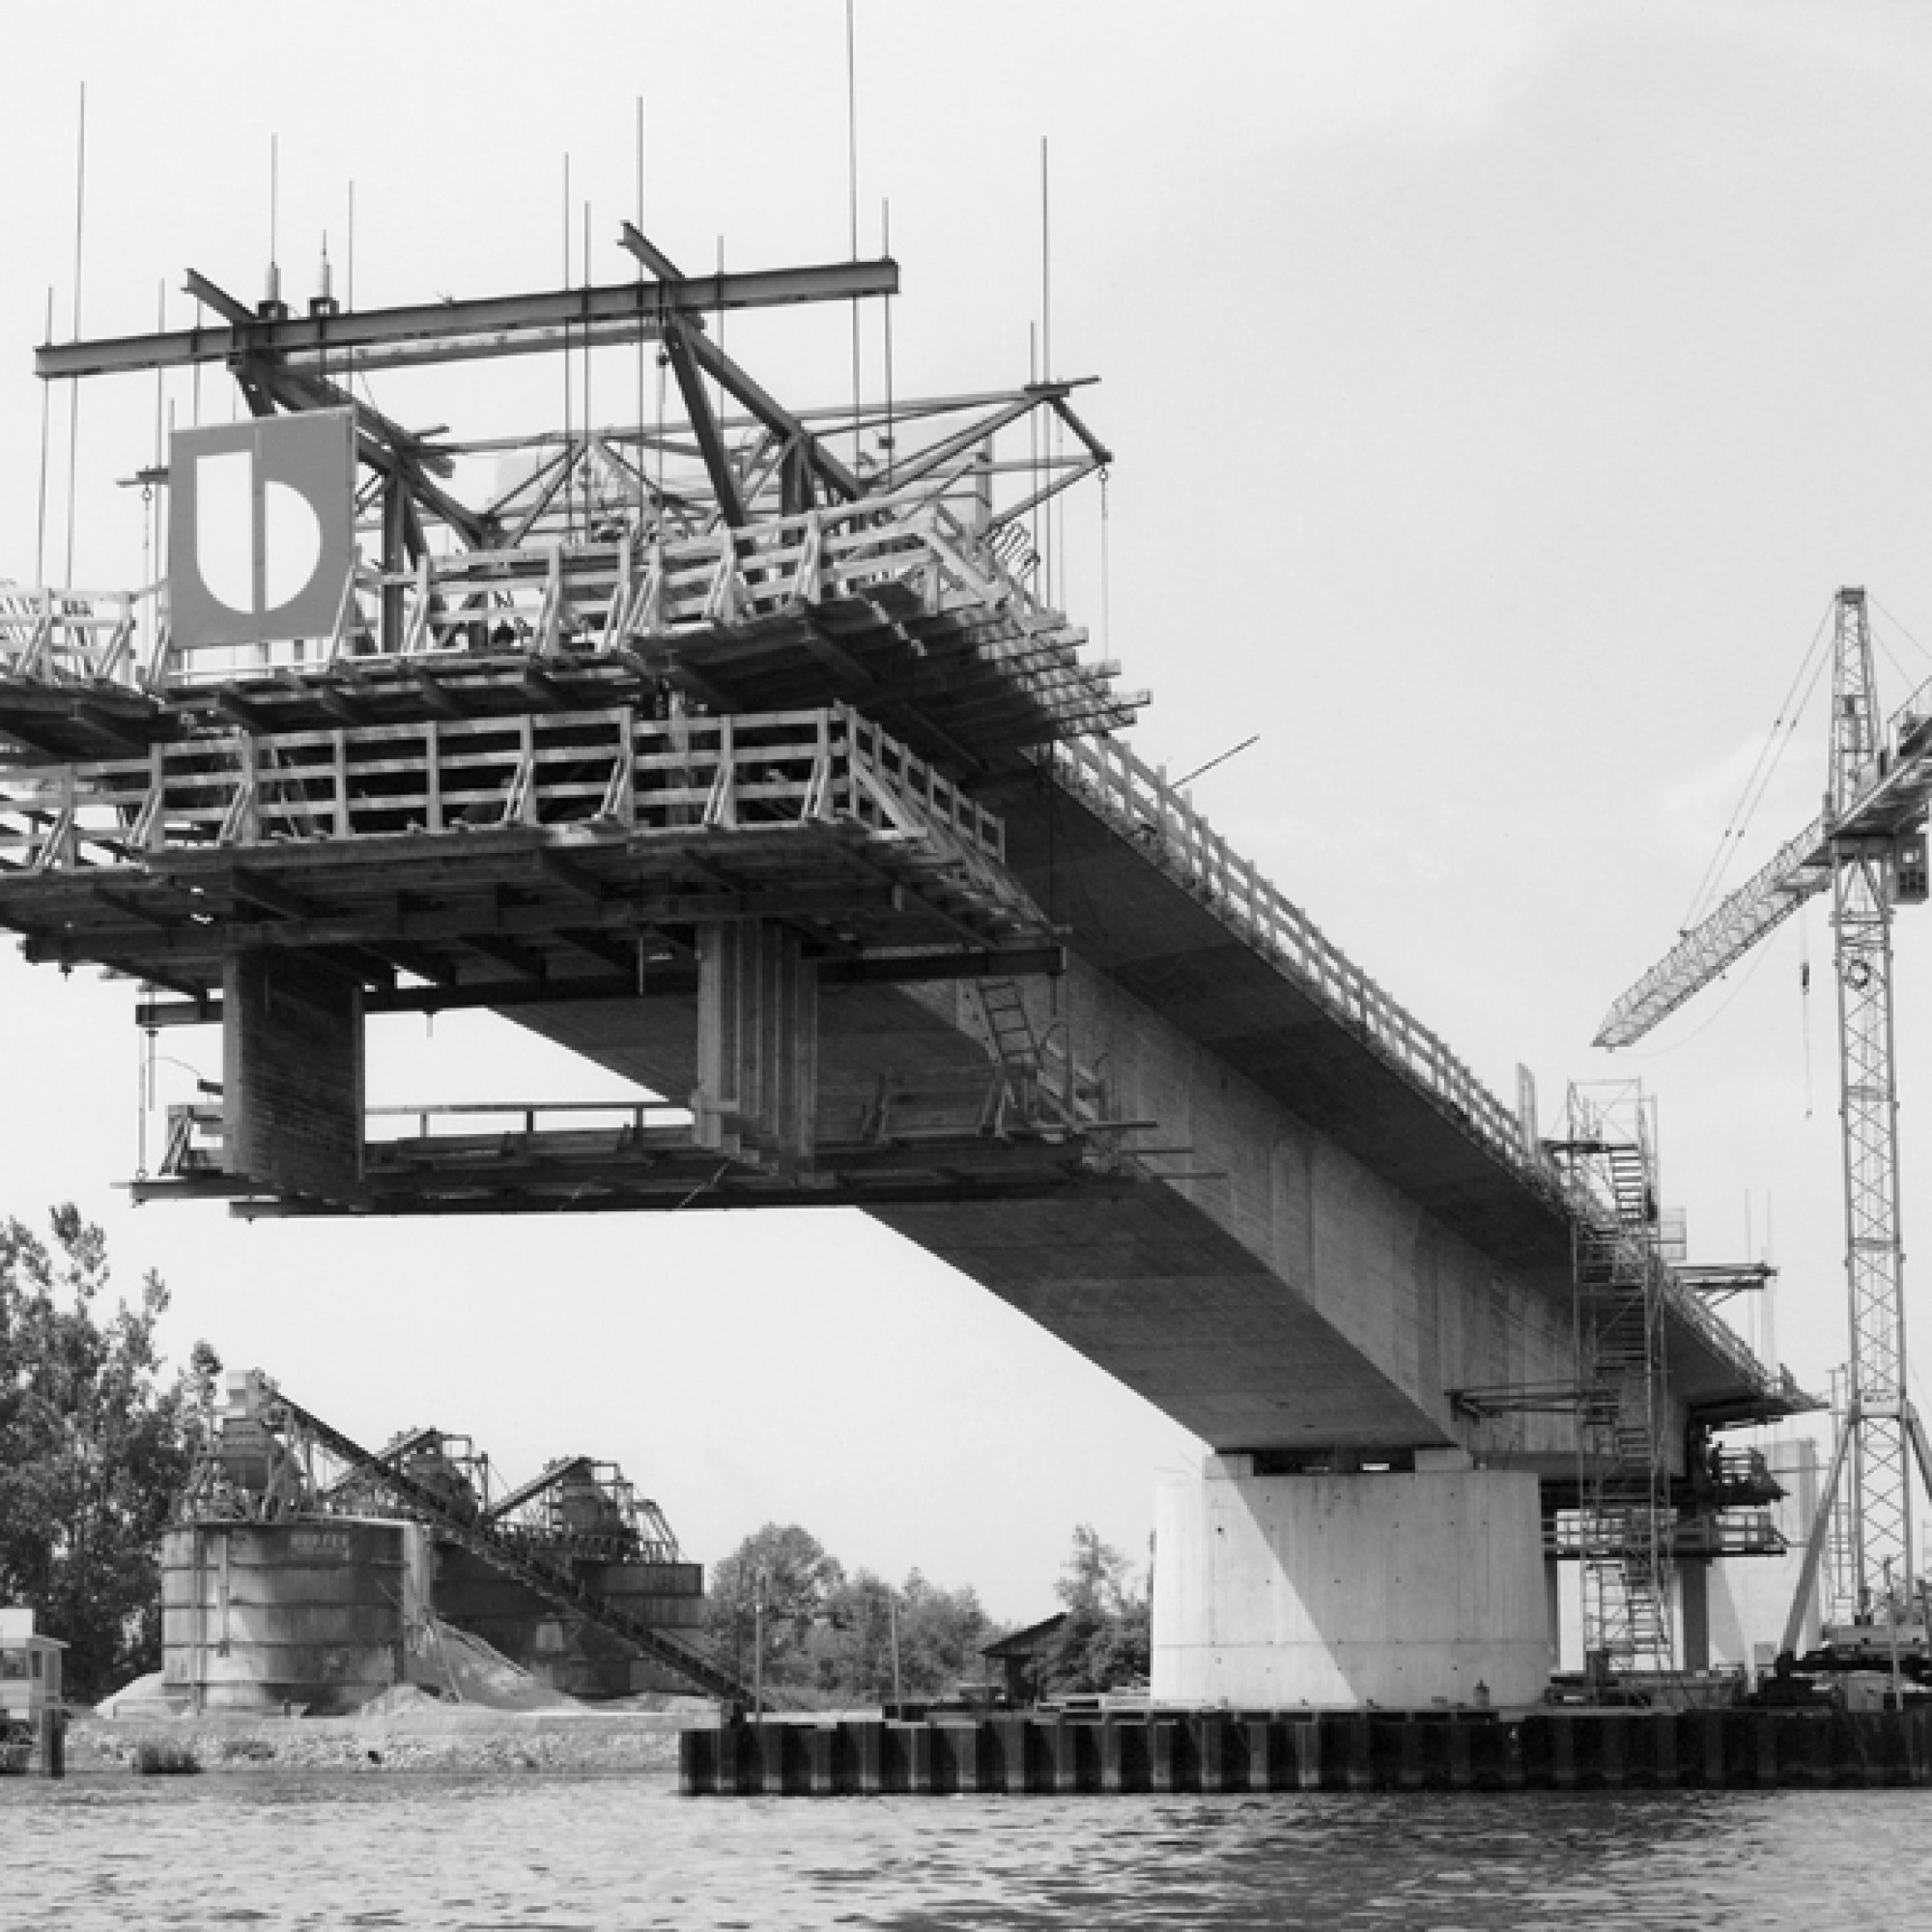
(1297,1300)
(1143,929)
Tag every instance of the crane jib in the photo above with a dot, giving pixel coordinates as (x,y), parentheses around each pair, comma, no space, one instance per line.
(1885,821)
(1797,870)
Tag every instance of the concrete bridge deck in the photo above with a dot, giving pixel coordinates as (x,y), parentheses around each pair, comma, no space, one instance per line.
(1371,1233)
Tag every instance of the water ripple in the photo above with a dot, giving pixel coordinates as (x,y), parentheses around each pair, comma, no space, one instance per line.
(522,1853)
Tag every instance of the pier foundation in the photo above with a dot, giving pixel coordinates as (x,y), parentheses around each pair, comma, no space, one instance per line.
(1397,1588)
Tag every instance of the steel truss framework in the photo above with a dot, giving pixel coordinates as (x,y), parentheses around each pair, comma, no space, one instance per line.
(1872,1495)
(604,502)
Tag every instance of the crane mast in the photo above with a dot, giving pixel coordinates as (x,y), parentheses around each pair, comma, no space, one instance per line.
(1874,1491)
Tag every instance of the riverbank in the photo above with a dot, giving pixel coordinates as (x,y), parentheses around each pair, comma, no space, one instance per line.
(421,1736)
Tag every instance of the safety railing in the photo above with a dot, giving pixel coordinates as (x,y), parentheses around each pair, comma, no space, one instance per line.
(595,597)
(612,770)
(1137,800)
(524,1119)
(79,637)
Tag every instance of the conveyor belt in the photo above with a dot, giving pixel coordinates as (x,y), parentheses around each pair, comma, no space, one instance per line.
(548,1580)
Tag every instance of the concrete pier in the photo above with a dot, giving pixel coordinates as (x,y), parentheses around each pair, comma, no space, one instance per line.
(1049,1754)
(1396,1588)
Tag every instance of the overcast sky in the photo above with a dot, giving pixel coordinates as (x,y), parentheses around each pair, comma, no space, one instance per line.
(1498,393)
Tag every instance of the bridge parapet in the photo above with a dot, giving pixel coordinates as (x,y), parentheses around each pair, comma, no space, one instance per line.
(1138,800)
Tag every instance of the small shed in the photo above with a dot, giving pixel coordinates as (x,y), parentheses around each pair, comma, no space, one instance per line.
(30,1668)
(1019,1655)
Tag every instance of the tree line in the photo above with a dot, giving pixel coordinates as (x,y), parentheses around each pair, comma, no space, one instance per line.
(785,1612)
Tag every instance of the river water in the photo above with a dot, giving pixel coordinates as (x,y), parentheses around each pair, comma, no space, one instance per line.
(608,1854)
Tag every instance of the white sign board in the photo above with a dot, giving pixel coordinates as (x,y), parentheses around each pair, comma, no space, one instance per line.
(262,534)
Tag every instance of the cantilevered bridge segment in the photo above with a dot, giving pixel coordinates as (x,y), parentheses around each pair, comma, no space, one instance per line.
(770,781)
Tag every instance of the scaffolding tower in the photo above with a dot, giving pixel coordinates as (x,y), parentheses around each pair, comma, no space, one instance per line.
(1623,1526)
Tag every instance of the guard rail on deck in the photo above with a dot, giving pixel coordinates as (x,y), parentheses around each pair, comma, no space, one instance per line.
(80,636)
(1137,801)
(596,597)
(468,1117)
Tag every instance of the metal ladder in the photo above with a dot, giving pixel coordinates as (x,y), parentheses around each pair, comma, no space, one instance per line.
(1007,1024)
(1038,1074)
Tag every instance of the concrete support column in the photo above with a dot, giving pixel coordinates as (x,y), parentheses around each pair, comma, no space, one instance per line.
(1331,1589)
(291,1073)
(757,1041)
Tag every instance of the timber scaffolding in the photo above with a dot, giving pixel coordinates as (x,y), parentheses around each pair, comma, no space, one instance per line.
(715,712)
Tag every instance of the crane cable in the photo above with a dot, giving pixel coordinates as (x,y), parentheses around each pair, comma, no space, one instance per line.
(1805,997)
(1891,617)
(1763,770)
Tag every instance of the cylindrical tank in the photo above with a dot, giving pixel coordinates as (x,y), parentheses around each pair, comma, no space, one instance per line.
(306,1614)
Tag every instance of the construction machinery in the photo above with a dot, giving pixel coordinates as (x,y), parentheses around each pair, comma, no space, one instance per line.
(561,1537)
(694,703)
(1868,849)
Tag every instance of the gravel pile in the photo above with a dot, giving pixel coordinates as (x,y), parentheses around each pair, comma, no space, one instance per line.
(475,1711)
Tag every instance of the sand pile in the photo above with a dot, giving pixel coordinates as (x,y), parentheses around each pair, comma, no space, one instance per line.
(467,1708)
(458,1668)
(449,1669)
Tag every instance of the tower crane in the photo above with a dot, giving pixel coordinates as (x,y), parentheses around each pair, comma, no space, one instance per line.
(1868,849)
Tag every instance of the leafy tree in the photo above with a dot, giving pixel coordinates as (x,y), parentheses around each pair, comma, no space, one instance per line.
(92,1450)
(852,1648)
(793,1574)
(1106,1641)
(828,1635)
(938,1634)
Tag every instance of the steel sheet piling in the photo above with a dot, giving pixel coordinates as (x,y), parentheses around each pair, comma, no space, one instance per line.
(1064,1754)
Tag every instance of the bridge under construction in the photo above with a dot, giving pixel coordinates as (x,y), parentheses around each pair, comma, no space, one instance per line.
(744,753)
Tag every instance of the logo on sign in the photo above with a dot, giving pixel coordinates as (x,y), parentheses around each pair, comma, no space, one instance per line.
(262,540)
